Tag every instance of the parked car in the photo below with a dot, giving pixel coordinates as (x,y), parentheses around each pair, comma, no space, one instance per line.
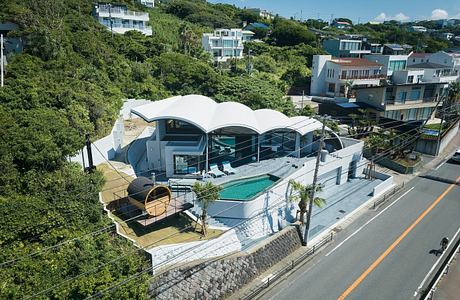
(456,156)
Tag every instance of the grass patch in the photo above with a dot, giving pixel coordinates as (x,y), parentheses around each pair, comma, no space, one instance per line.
(114,182)
(173,230)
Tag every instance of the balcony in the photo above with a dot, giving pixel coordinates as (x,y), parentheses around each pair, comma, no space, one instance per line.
(114,12)
(351,77)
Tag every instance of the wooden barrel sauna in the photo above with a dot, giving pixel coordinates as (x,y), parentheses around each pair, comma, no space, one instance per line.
(151,198)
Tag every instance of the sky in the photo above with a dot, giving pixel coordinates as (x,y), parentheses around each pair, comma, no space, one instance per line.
(357,10)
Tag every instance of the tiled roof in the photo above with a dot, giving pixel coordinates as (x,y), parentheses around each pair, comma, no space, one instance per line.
(427,65)
(419,55)
(355,62)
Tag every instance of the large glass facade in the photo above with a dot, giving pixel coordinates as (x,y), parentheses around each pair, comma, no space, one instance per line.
(397,65)
(187,164)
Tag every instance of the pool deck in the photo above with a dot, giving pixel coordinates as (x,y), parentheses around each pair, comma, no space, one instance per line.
(340,201)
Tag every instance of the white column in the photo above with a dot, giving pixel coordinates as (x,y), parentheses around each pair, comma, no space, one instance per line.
(207,152)
(297,144)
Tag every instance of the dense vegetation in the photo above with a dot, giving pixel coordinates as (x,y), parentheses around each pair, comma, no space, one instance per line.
(70,81)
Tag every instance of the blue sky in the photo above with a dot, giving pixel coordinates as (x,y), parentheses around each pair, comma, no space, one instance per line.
(364,10)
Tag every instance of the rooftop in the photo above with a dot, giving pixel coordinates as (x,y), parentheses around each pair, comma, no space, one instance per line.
(208,115)
(427,65)
(394,46)
(355,62)
(419,55)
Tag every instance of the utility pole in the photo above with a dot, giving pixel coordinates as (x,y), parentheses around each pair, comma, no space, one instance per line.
(1,60)
(438,143)
(315,179)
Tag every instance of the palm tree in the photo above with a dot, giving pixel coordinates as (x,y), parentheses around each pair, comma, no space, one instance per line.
(302,194)
(206,193)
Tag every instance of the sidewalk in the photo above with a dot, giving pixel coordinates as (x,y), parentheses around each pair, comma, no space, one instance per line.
(449,287)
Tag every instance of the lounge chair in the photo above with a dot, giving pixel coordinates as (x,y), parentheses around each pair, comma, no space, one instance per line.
(214,171)
(228,169)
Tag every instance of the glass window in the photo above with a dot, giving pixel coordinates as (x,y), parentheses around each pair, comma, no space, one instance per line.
(186,164)
(331,88)
(397,65)
(402,96)
(415,95)
(410,79)
(228,52)
(228,43)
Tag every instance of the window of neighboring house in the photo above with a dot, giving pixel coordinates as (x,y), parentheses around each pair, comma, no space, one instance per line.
(228,52)
(410,79)
(331,88)
(412,114)
(366,73)
(413,60)
(354,73)
(344,74)
(402,96)
(228,44)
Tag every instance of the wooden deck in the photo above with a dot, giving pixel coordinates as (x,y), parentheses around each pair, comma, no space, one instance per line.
(176,205)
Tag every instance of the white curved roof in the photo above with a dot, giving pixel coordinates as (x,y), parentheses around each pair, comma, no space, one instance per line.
(209,115)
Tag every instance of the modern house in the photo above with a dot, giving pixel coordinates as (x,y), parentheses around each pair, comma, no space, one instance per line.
(248,35)
(224,44)
(418,58)
(118,19)
(256,26)
(390,62)
(192,132)
(416,28)
(341,25)
(263,149)
(148,3)
(447,36)
(396,49)
(375,48)
(264,14)
(333,77)
(433,72)
(402,102)
(450,59)
(345,47)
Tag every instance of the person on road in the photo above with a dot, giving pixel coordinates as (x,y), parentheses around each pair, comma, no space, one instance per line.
(444,243)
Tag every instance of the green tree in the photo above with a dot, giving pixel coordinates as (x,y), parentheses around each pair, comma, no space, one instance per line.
(206,193)
(289,33)
(301,194)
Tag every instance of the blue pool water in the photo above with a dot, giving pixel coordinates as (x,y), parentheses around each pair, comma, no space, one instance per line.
(248,188)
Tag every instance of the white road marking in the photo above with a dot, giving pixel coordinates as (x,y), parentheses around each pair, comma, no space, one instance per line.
(367,223)
(441,164)
(435,265)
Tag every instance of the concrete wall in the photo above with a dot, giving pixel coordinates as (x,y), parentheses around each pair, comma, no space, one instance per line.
(429,146)
(387,182)
(372,96)
(318,86)
(217,279)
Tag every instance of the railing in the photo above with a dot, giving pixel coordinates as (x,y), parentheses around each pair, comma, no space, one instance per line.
(379,201)
(122,12)
(351,77)
(287,268)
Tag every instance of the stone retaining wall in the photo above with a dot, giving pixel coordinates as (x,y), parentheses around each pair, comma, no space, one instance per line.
(218,278)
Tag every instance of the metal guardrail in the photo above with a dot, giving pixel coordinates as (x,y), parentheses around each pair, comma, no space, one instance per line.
(430,290)
(287,268)
(387,195)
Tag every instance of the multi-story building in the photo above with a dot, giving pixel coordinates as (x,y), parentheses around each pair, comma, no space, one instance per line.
(264,14)
(334,77)
(433,72)
(119,19)
(345,47)
(450,59)
(402,102)
(375,48)
(390,63)
(418,58)
(396,49)
(148,3)
(224,44)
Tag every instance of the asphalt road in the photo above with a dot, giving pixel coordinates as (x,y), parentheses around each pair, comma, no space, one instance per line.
(384,254)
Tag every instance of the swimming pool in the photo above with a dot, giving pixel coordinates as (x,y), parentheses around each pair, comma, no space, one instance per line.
(247,188)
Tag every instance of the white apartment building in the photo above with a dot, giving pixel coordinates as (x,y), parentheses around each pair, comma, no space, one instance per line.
(333,77)
(148,3)
(224,44)
(264,14)
(451,59)
(119,19)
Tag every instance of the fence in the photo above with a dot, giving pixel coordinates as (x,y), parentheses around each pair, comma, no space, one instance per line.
(287,268)
(387,196)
